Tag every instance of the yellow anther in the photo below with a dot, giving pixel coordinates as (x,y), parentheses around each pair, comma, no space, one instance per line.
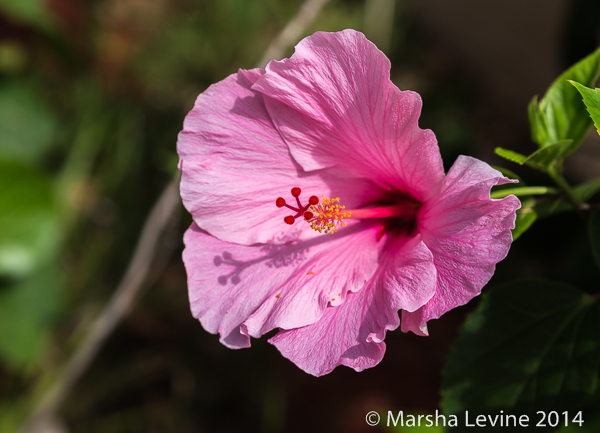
(327,217)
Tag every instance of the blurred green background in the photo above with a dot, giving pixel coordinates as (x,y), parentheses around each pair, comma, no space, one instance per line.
(92,96)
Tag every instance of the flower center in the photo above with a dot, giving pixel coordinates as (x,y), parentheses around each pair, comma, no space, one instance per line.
(328,214)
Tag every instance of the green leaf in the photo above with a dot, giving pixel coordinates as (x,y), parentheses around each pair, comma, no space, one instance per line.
(542,159)
(511,155)
(560,115)
(530,346)
(591,99)
(559,121)
(526,216)
(537,123)
(546,156)
(26,310)
(27,127)
(594,233)
(29,231)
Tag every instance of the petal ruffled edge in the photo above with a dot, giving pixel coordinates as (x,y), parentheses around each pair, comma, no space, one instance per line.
(336,89)
(468,234)
(352,334)
(242,291)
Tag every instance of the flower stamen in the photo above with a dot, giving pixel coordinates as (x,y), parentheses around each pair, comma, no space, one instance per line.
(328,215)
(301,210)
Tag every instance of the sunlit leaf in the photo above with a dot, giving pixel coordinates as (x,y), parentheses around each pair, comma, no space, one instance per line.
(560,114)
(591,99)
(542,159)
(530,346)
(511,155)
(537,123)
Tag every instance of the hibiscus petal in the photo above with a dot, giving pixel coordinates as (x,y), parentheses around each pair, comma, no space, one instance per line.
(234,166)
(352,334)
(467,232)
(241,291)
(334,104)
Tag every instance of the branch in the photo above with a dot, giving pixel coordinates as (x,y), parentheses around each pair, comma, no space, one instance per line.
(118,306)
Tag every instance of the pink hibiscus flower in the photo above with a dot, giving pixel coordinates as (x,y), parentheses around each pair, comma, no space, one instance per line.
(329,123)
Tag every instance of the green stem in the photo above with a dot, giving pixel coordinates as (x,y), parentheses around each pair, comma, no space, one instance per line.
(569,192)
(524,191)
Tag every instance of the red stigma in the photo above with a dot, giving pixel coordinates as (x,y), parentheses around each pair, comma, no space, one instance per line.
(301,210)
